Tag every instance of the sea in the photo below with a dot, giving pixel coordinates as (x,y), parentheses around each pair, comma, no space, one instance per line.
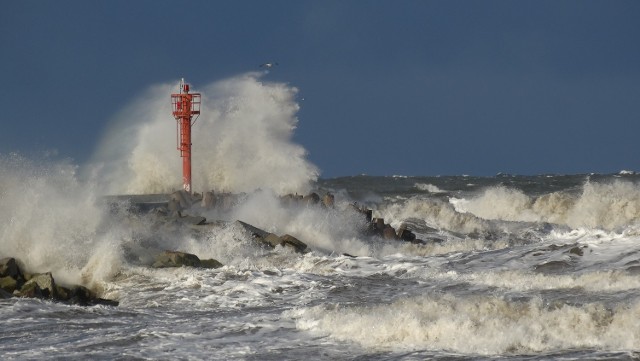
(507,267)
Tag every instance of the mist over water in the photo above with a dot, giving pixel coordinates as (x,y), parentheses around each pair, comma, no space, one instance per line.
(242,141)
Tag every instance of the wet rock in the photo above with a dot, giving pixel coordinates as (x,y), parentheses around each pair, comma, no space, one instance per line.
(210,263)
(5,295)
(367,213)
(311,199)
(328,200)
(193,220)
(291,241)
(30,290)
(43,286)
(44,282)
(389,233)
(176,259)
(576,251)
(272,240)
(8,284)
(9,268)
(553,267)
(405,234)
(168,259)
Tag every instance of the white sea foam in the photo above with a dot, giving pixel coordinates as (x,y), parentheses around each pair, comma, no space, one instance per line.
(242,141)
(475,325)
(428,187)
(610,205)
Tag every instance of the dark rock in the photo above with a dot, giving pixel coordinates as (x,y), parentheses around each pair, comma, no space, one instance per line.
(367,213)
(176,259)
(44,282)
(79,295)
(9,268)
(8,283)
(378,224)
(104,302)
(193,220)
(210,263)
(311,198)
(5,295)
(405,234)
(389,233)
(31,290)
(576,251)
(272,240)
(62,293)
(291,241)
(553,267)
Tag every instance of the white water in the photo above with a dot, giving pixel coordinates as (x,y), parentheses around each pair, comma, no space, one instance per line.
(512,274)
(242,141)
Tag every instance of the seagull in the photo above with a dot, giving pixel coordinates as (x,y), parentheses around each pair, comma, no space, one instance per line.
(268,65)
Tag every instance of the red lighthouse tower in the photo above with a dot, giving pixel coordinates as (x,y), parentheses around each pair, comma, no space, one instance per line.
(186,109)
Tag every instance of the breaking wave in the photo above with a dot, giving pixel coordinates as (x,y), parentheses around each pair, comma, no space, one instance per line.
(609,205)
(476,325)
(242,141)
(612,205)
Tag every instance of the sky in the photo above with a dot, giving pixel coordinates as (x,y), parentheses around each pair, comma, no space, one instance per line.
(386,87)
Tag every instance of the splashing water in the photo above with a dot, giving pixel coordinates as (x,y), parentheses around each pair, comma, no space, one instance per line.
(242,141)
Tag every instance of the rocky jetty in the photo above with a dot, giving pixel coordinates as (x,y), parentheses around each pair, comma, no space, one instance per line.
(14,282)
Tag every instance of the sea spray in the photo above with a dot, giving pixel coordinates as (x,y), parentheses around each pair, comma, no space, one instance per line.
(48,219)
(608,205)
(242,141)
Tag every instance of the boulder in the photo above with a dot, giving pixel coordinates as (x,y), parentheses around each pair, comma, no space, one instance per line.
(44,282)
(272,240)
(210,263)
(9,268)
(328,200)
(176,259)
(389,233)
(405,234)
(8,284)
(291,241)
(179,259)
(5,295)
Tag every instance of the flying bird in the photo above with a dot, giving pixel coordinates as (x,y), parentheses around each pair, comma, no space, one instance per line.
(268,65)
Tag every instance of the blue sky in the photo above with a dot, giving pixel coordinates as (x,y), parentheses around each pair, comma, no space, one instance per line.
(389,87)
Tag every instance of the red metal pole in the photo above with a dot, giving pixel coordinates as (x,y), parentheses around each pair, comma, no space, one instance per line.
(185,131)
(185,106)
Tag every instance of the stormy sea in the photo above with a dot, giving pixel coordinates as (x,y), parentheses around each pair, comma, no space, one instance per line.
(503,267)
